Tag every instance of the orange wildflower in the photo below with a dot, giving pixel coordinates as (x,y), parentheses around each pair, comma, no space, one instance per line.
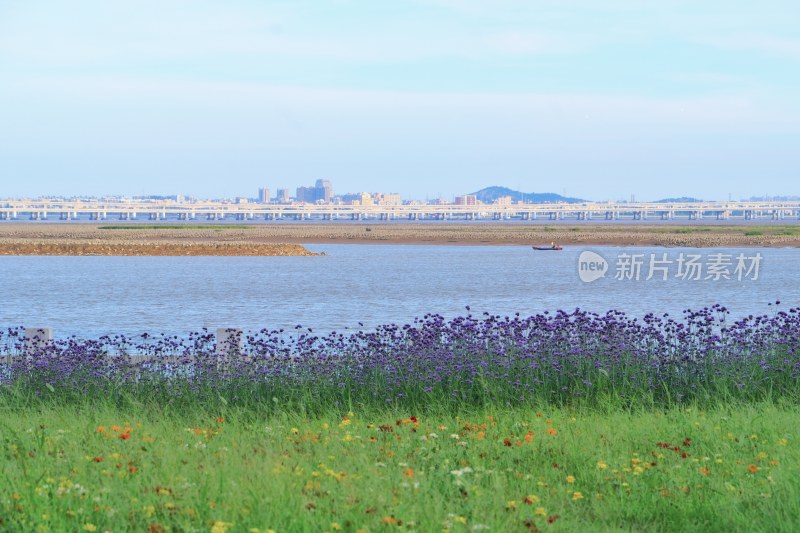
(115,428)
(220,419)
(705,471)
(124,436)
(98,459)
(551,431)
(753,468)
(409,473)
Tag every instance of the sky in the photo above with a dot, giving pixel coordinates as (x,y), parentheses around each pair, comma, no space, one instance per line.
(599,99)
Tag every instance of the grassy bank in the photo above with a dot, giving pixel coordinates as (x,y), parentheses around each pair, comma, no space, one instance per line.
(99,467)
(555,422)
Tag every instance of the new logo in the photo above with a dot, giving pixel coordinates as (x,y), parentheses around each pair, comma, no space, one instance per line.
(591,266)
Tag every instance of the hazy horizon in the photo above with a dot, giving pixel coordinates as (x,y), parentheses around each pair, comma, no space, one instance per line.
(429,98)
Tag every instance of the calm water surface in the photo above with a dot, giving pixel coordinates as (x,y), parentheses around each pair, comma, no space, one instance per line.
(371,284)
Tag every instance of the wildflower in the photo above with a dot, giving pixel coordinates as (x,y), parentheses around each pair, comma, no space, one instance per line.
(601,465)
(132,469)
(551,431)
(98,459)
(101,429)
(540,511)
(335,526)
(389,520)
(89,527)
(295,431)
(577,496)
(124,436)
(511,505)
(705,471)
(753,468)
(220,527)
(530,499)
(409,473)
(570,479)
(115,429)
(220,420)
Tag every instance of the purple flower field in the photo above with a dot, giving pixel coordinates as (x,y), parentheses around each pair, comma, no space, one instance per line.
(561,358)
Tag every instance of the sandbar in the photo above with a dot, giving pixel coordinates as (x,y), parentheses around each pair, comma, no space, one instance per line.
(288,239)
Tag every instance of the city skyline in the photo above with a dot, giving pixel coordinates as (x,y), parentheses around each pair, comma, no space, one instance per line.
(429,98)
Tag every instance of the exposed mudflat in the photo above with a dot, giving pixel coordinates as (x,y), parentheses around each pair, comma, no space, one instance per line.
(279,238)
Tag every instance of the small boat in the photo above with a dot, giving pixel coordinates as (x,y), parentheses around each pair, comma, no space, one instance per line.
(551,247)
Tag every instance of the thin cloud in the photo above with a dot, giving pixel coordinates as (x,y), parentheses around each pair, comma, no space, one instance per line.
(763,44)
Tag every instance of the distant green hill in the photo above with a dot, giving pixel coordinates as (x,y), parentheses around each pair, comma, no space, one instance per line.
(490,194)
(681,200)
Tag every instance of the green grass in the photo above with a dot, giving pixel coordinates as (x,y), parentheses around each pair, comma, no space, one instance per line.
(748,230)
(178,226)
(605,469)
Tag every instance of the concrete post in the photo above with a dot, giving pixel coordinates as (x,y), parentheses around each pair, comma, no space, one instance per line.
(229,342)
(37,340)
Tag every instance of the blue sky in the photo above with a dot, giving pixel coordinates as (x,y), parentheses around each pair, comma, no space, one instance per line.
(600,99)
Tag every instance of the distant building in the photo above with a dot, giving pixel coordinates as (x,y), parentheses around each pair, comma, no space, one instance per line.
(306,195)
(387,198)
(503,200)
(321,192)
(467,199)
(324,190)
(242,200)
(263,195)
(283,196)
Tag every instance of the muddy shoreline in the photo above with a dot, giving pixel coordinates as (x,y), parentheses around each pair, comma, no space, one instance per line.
(288,239)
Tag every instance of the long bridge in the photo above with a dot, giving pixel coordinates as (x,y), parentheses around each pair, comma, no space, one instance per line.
(217,211)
